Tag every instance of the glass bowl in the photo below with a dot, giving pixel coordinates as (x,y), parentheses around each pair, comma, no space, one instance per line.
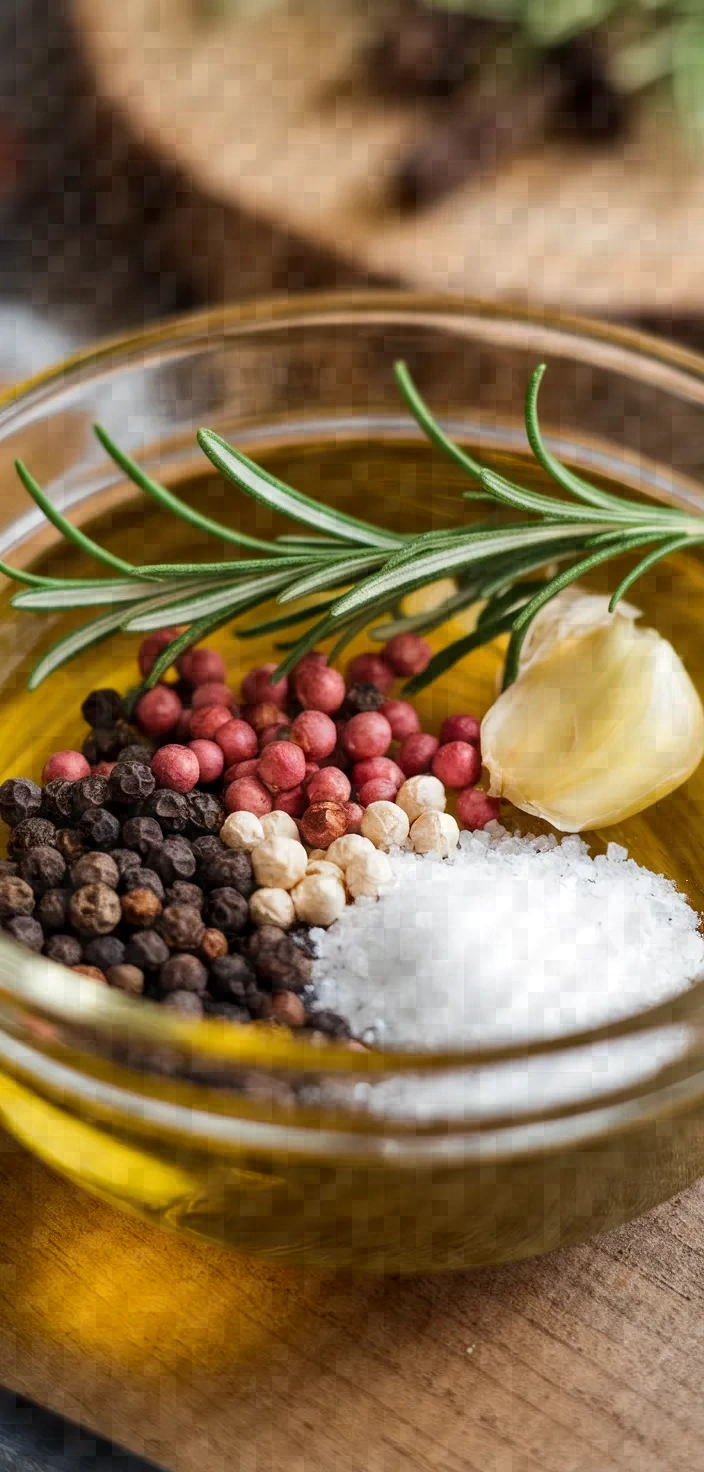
(253,1137)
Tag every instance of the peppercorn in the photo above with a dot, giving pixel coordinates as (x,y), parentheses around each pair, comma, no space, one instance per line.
(144,879)
(377,791)
(27,931)
(173,860)
(52,910)
(367,735)
(279,732)
(106,743)
(224,1011)
(236,738)
(183,973)
(279,863)
(457,764)
(130,782)
(248,795)
(95,909)
(31,833)
(278,961)
(20,798)
(213,944)
(57,800)
(95,868)
(475,808)
(282,766)
(206,721)
(127,979)
(182,927)
(231,869)
(320,897)
(287,1009)
(206,813)
(460,728)
(142,835)
(257,686)
(185,893)
(147,950)
(231,977)
(416,753)
(370,669)
(319,688)
(227,910)
(272,907)
(125,859)
(170,809)
(43,868)
(402,717)
(323,823)
(186,1004)
(87,794)
(65,949)
(330,1024)
(135,752)
(258,1004)
(175,768)
(70,845)
(69,764)
(206,848)
(104,951)
(262,716)
(329,785)
(158,710)
(8,868)
(102,708)
(279,825)
(16,897)
(213,694)
(140,907)
(210,759)
(92,972)
(152,646)
(360,697)
(100,829)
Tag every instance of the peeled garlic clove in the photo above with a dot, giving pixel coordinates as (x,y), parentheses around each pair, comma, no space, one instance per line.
(602,721)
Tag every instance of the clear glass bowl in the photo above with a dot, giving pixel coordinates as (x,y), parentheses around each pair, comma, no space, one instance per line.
(378,1161)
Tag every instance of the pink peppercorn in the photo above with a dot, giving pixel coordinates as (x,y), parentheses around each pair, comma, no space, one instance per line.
(370,669)
(279,732)
(282,766)
(475,808)
(102,769)
(175,768)
(241,769)
(154,645)
(210,759)
(457,764)
(322,823)
(315,733)
(71,765)
(368,734)
(416,753)
(320,688)
(408,654)
(257,686)
(237,741)
(377,767)
(292,802)
(158,710)
(402,717)
(355,813)
(212,694)
(460,728)
(246,795)
(311,769)
(205,723)
(259,717)
(378,790)
(202,667)
(329,785)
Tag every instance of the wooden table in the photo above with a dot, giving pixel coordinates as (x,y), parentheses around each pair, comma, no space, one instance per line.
(586,1361)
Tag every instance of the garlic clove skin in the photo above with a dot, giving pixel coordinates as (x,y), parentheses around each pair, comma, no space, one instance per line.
(602,720)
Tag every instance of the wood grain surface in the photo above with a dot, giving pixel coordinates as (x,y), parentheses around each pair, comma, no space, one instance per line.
(586,1361)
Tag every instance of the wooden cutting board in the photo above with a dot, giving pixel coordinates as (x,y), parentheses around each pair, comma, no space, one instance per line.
(590,1360)
(277,163)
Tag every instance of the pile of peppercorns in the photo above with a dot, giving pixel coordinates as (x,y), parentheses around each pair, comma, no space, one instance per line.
(192,869)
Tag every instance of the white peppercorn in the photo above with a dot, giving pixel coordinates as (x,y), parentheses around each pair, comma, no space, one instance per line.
(319,899)
(385,824)
(421,795)
(344,849)
(279,863)
(435,833)
(279,825)
(323,866)
(272,907)
(242,831)
(369,874)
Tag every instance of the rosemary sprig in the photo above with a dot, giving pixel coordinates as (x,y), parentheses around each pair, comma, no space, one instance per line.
(365,570)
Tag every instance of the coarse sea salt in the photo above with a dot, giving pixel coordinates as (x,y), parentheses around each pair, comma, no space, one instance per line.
(511,939)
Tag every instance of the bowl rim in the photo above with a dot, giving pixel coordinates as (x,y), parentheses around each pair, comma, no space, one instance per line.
(43,988)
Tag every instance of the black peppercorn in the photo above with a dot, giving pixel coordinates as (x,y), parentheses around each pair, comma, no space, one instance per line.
(144,879)
(330,1024)
(173,860)
(8,868)
(100,829)
(31,833)
(95,909)
(95,868)
(140,907)
(142,835)
(19,798)
(278,961)
(227,910)
(135,752)
(206,813)
(183,893)
(88,793)
(169,808)
(147,950)
(361,697)
(231,977)
(104,951)
(57,800)
(126,859)
(52,910)
(26,930)
(16,897)
(127,979)
(102,708)
(181,927)
(105,743)
(183,973)
(232,870)
(225,1011)
(205,850)
(187,1004)
(65,949)
(43,868)
(130,782)
(70,844)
